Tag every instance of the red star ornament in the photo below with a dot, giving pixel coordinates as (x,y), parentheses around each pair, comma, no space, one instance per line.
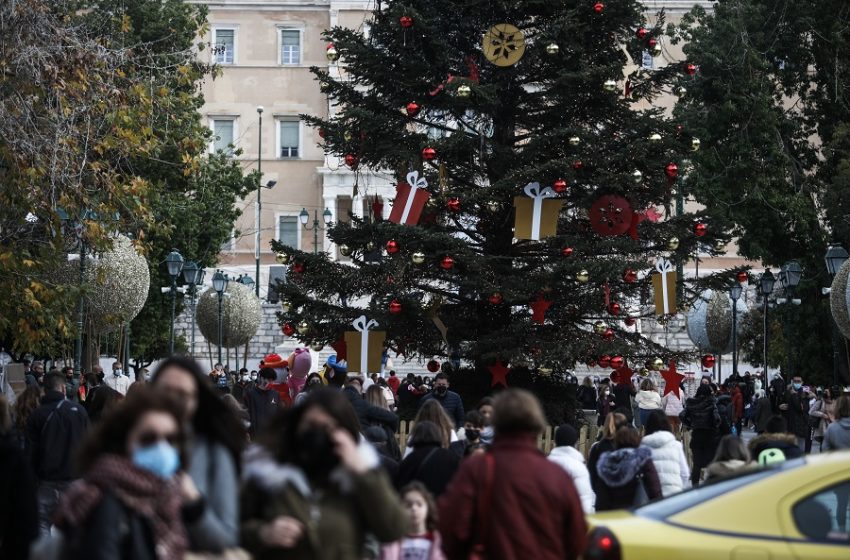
(539,308)
(672,379)
(499,374)
(622,376)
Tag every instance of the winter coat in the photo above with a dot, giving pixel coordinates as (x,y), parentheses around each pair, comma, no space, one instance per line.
(764,411)
(571,460)
(671,405)
(623,399)
(336,519)
(431,465)
(701,414)
(262,405)
(837,436)
(604,406)
(619,474)
(737,405)
(727,413)
(451,402)
(787,443)
(370,415)
(114,531)
(213,470)
(393,551)
(823,410)
(534,512)
(648,400)
(18,509)
(596,451)
(586,397)
(668,457)
(393,382)
(55,430)
(797,414)
(722,469)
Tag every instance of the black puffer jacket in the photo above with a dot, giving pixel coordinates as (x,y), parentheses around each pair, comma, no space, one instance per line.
(370,415)
(701,414)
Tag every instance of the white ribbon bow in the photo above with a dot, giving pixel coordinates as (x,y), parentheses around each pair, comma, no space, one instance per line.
(539,195)
(415,182)
(362,325)
(663,266)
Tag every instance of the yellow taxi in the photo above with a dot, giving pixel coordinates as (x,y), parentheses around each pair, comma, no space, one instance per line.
(795,510)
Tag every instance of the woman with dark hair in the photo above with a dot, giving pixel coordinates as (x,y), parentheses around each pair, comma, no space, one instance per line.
(731,457)
(215,441)
(703,419)
(429,461)
(127,505)
(613,422)
(627,475)
(27,402)
(668,455)
(323,491)
(18,506)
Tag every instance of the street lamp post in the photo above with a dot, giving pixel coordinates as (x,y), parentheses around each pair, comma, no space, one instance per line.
(766,284)
(789,279)
(835,257)
(259,200)
(193,276)
(304,216)
(219,282)
(174,262)
(735,293)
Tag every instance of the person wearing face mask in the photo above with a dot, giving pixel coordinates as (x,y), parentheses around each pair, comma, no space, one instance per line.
(243,383)
(322,489)
(262,401)
(449,400)
(117,381)
(795,409)
(605,405)
(127,504)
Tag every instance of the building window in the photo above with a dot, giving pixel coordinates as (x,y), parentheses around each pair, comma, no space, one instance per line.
(223,135)
(290,46)
(224,46)
(287,231)
(290,132)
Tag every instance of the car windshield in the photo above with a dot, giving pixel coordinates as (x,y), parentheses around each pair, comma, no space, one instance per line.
(663,509)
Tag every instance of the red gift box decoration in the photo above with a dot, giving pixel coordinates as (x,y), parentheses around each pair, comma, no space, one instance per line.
(410,200)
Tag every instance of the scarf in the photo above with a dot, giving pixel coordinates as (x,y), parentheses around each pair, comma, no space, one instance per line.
(143,492)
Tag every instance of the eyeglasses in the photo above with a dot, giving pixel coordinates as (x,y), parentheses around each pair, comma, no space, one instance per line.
(150,438)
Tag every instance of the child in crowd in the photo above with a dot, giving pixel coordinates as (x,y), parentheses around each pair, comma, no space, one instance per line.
(473,425)
(423,540)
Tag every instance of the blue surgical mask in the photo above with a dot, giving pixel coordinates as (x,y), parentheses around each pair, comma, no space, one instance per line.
(159,458)
(797,386)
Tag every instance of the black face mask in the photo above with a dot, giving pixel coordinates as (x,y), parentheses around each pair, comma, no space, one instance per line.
(441,390)
(472,434)
(315,453)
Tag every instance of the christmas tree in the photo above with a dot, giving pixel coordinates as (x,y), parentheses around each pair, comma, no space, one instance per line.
(525,230)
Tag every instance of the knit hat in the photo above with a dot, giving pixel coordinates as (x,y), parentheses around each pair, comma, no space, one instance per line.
(565,435)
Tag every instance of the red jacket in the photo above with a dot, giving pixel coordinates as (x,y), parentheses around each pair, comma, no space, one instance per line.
(394,382)
(535,512)
(738,403)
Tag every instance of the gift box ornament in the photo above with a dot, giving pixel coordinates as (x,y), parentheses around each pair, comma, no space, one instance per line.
(364,346)
(410,199)
(536,215)
(664,287)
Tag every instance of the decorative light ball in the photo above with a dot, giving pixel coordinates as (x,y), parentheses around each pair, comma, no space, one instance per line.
(610,85)
(559,186)
(671,170)
(690,69)
(604,361)
(578,165)
(608,334)
(345,250)
(428,154)
(495,298)
(288,329)
(599,327)
(742,276)
(598,7)
(406,22)
(617,362)
(464,91)
(641,33)
(695,144)
(708,361)
(286,306)
(657,364)
(351,160)
(317,347)
(700,229)
(331,53)
(637,176)
(282,258)
(673,243)
(453,204)
(303,327)
(370,246)
(681,91)
(298,268)
(552,49)
(241,315)
(567,252)
(447,263)
(709,321)
(413,109)
(615,308)
(418,257)
(655,137)
(583,276)
(629,321)
(574,141)
(395,307)
(838,297)
(392,247)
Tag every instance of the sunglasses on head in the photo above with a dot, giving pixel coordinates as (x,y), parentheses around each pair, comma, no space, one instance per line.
(150,438)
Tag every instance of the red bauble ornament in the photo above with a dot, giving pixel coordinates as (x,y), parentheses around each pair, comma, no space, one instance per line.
(413,109)
(591,363)
(395,307)
(598,7)
(608,335)
(605,361)
(690,69)
(567,251)
(433,366)
(610,215)
(614,308)
(288,329)
(629,321)
(321,133)
(642,33)
(578,165)
(617,362)
(406,22)
(298,268)
(743,276)
(429,154)
(390,279)
(672,170)
(708,361)
(495,299)
(630,276)
(351,160)
(560,186)
(392,247)
(453,204)
(447,263)
(700,229)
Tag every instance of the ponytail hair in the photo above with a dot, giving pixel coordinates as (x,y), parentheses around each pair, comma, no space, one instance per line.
(613,422)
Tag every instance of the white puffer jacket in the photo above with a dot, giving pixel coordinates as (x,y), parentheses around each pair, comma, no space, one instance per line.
(571,460)
(648,400)
(668,456)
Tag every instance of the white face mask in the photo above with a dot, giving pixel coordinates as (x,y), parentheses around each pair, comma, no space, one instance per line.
(116,372)
(253,377)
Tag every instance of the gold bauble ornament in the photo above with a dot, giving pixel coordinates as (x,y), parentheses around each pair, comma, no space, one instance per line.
(681,91)
(583,276)
(655,49)
(286,306)
(303,327)
(493,206)
(599,327)
(655,137)
(332,54)
(643,372)
(418,257)
(574,141)
(552,49)
(719,245)
(464,91)
(503,44)
(347,136)
(317,347)
(673,243)
(370,246)
(282,258)
(345,250)
(637,176)
(610,85)
(657,364)
(695,144)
